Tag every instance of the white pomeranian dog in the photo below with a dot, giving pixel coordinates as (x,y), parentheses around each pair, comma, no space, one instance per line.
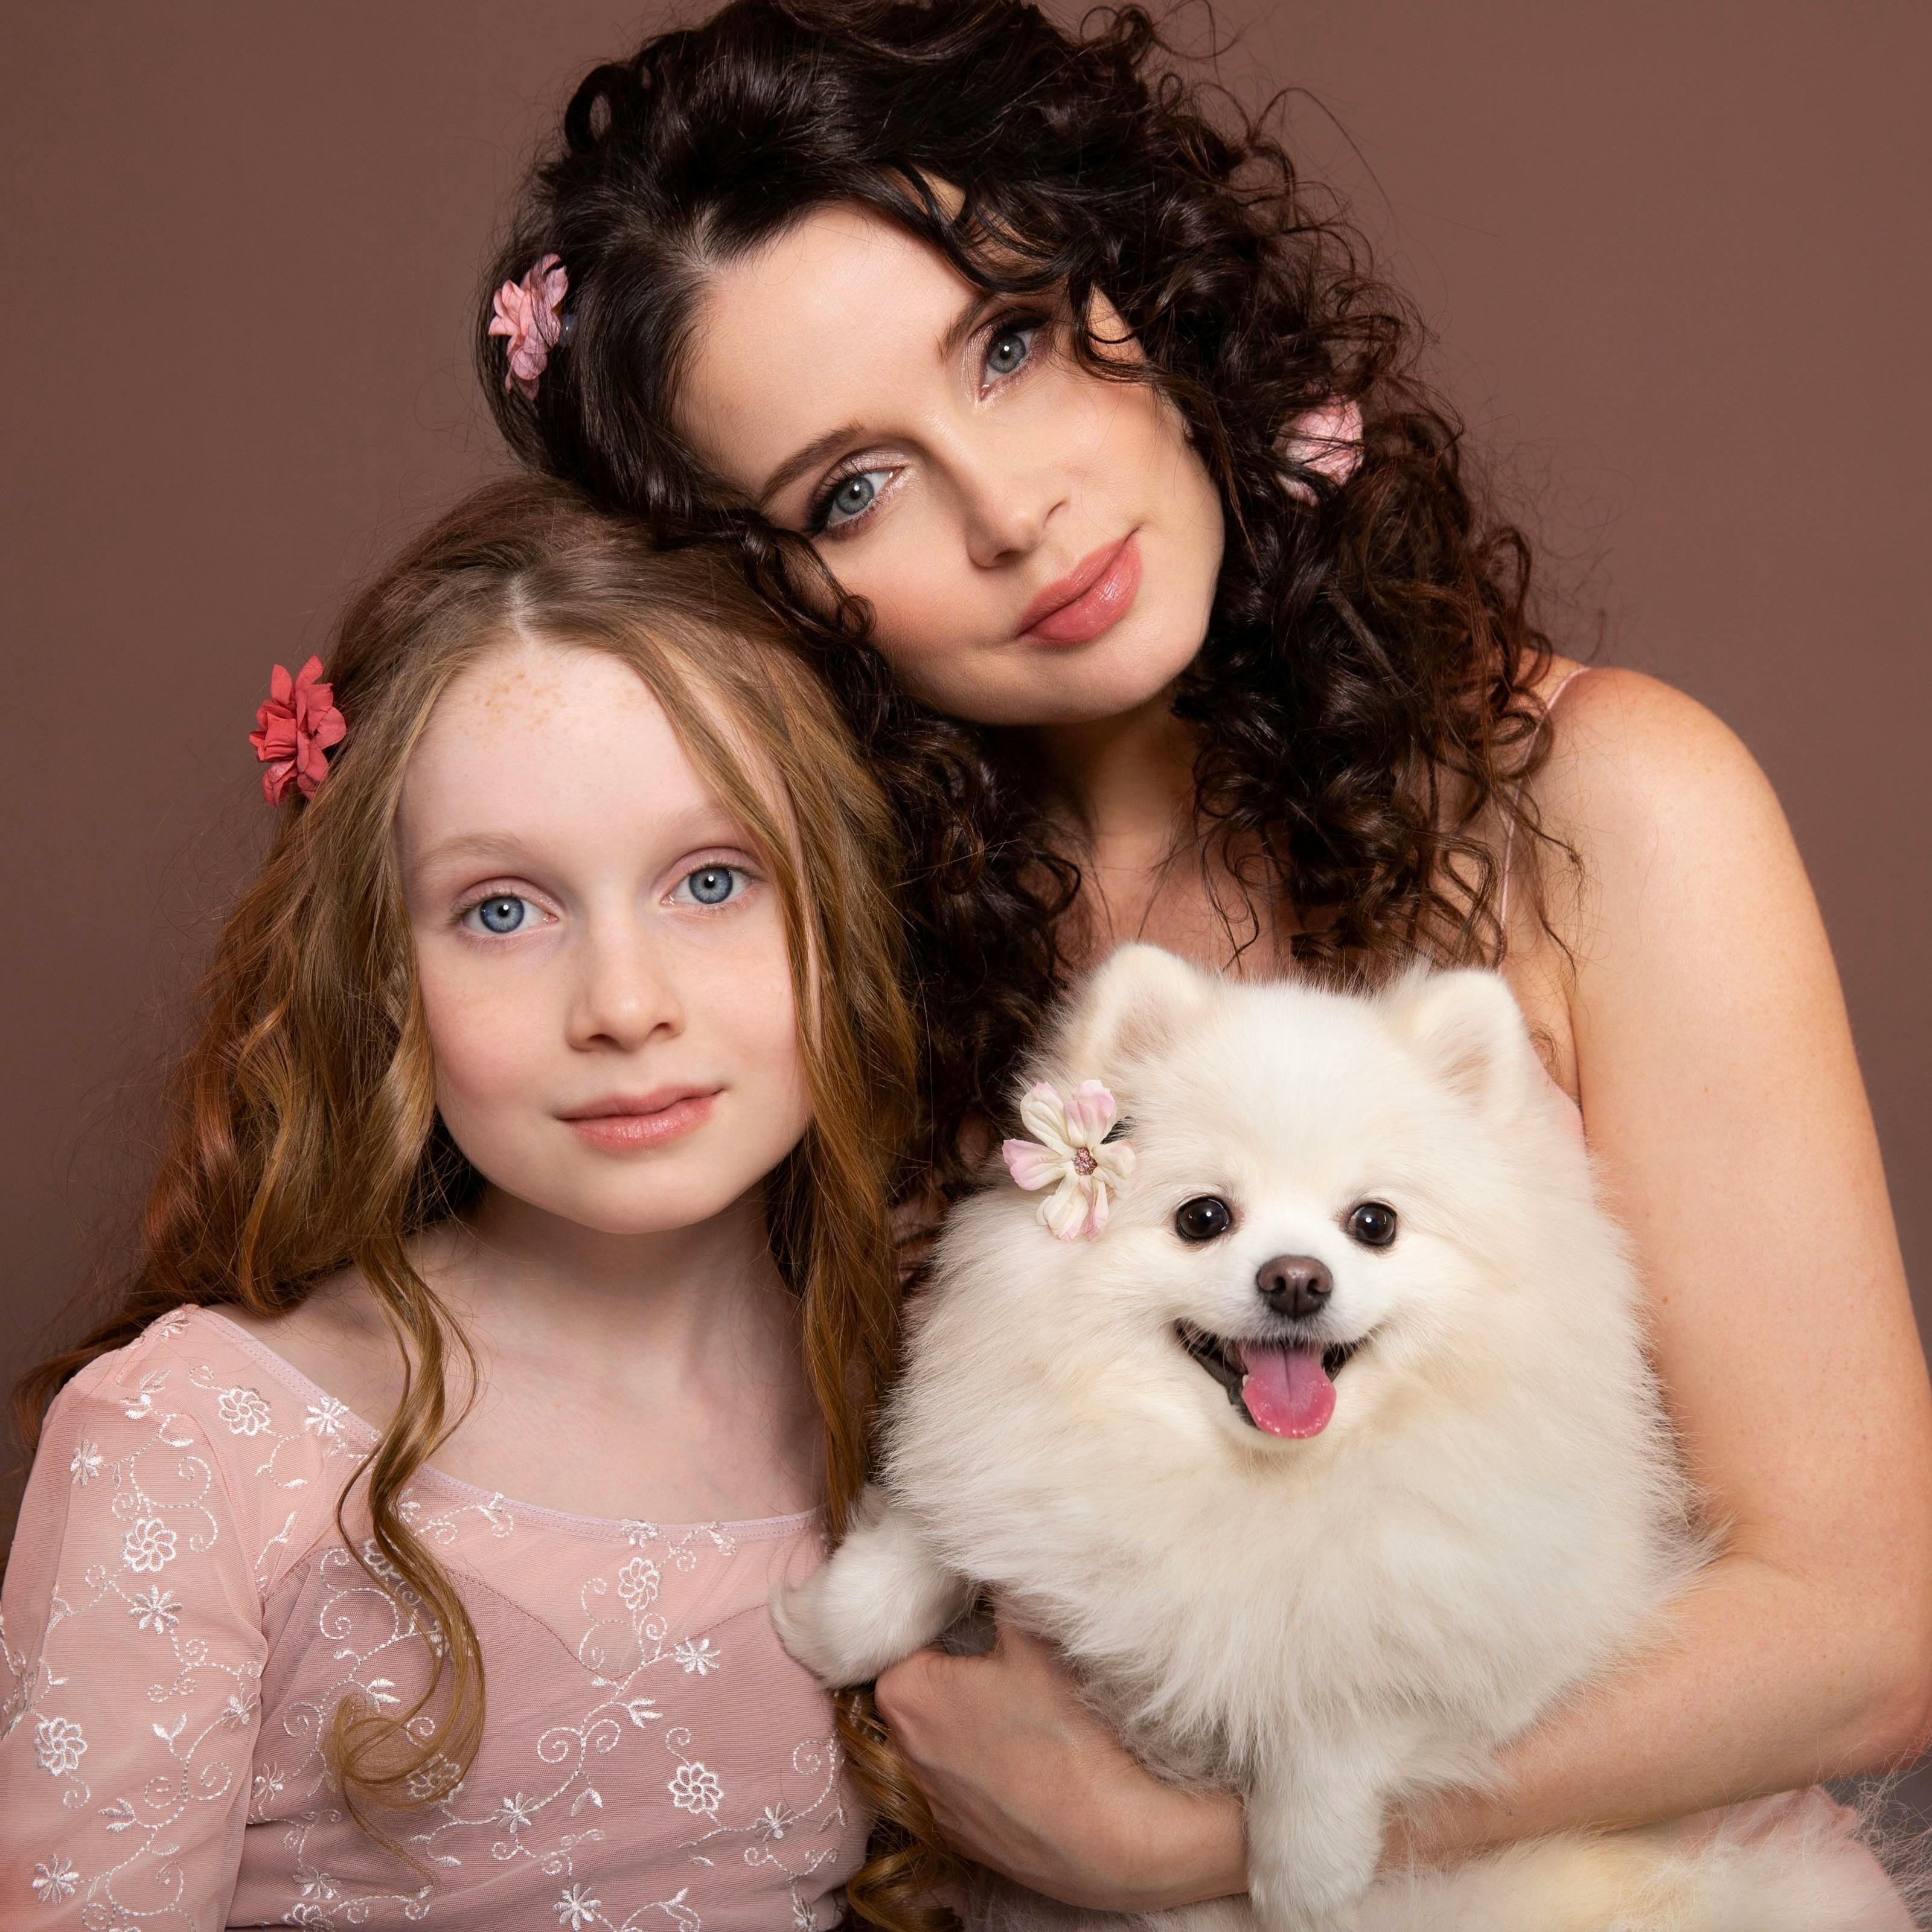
(1309,1416)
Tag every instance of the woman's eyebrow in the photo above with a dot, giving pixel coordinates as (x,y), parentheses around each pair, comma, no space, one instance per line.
(821,447)
(808,458)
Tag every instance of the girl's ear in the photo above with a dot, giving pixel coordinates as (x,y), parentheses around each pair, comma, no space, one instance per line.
(1137,1003)
(1468,1029)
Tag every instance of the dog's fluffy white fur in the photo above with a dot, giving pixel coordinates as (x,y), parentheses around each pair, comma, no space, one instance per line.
(1494,1513)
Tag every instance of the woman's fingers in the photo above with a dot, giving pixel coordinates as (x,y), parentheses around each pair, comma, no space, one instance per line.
(1022,1776)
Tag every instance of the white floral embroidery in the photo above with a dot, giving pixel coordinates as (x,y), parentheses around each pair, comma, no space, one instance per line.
(317,1888)
(326,1417)
(438,1778)
(696,1655)
(156,1609)
(638,1581)
(577,1908)
(58,1746)
(55,1881)
(141,1404)
(86,1465)
(516,1812)
(774,1821)
(149,1544)
(244,1411)
(692,1788)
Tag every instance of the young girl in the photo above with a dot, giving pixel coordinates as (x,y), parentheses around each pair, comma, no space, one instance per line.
(515,1282)
(1031,375)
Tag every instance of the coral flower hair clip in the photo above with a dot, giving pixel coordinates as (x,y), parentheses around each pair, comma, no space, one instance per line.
(1071,1153)
(294,729)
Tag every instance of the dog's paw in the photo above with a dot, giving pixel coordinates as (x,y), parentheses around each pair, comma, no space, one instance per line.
(880,1597)
(801,1614)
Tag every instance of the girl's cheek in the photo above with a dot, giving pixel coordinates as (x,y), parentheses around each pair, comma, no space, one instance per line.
(486,1039)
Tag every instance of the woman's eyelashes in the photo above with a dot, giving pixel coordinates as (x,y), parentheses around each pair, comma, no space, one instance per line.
(847,498)
(1010,349)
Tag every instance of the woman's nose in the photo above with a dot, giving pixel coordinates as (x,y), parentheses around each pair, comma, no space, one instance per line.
(1008,509)
(624,994)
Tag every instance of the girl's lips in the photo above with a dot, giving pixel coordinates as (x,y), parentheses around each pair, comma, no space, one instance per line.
(1089,599)
(626,1125)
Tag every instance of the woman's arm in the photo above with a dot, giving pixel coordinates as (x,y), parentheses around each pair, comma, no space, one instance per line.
(1722,1101)
(1722,1098)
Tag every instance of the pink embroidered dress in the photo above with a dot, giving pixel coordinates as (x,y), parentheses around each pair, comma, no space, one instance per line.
(182,1617)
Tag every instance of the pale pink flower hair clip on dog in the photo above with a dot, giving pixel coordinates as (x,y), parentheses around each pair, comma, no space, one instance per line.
(293,730)
(530,314)
(1071,1150)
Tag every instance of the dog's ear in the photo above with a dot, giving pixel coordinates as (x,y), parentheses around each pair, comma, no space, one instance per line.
(1136,1004)
(1467,1026)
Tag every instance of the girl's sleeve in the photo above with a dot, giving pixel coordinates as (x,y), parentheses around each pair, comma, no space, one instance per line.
(130,1635)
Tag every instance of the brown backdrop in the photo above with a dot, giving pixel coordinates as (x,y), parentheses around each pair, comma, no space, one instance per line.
(1676,252)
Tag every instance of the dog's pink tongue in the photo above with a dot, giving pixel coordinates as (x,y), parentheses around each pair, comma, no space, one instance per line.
(1287,1391)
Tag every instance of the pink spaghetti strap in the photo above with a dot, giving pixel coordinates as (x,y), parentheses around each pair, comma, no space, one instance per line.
(1549,705)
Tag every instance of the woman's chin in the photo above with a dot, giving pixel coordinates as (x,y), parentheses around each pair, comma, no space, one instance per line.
(1025,684)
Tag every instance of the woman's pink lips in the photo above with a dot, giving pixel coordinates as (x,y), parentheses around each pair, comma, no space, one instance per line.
(1089,599)
(647,1122)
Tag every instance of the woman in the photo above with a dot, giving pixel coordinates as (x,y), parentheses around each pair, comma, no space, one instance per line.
(1060,417)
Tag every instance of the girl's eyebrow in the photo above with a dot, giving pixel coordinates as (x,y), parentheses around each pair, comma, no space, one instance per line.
(822,447)
(710,824)
(471,845)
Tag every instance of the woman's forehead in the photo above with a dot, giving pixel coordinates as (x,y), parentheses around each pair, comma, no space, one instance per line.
(843,321)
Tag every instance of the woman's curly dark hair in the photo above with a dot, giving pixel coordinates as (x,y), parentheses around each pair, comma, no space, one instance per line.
(1363,701)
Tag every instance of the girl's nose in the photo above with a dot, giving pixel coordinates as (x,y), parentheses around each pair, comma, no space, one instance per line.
(624,995)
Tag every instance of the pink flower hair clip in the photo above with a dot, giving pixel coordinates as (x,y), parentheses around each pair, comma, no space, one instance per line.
(1327,440)
(1072,1149)
(293,730)
(529,313)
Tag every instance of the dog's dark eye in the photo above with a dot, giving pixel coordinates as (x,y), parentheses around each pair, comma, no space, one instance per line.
(1373,1224)
(1204,1217)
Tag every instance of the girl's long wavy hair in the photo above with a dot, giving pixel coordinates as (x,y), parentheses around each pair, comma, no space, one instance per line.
(304,1139)
(1362,704)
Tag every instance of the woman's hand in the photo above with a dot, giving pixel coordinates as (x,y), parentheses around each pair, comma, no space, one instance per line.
(1022,1777)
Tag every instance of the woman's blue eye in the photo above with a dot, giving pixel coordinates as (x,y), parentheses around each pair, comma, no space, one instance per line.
(850,497)
(712,885)
(501,913)
(1008,350)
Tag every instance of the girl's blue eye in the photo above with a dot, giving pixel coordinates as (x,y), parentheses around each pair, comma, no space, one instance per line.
(712,885)
(1008,350)
(501,913)
(851,497)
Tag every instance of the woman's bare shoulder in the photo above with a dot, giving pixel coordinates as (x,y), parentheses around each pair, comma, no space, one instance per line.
(1622,736)
(1652,790)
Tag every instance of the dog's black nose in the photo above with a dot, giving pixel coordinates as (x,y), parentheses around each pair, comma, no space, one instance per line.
(1295,1284)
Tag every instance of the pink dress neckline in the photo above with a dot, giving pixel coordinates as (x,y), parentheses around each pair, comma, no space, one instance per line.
(568,1521)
